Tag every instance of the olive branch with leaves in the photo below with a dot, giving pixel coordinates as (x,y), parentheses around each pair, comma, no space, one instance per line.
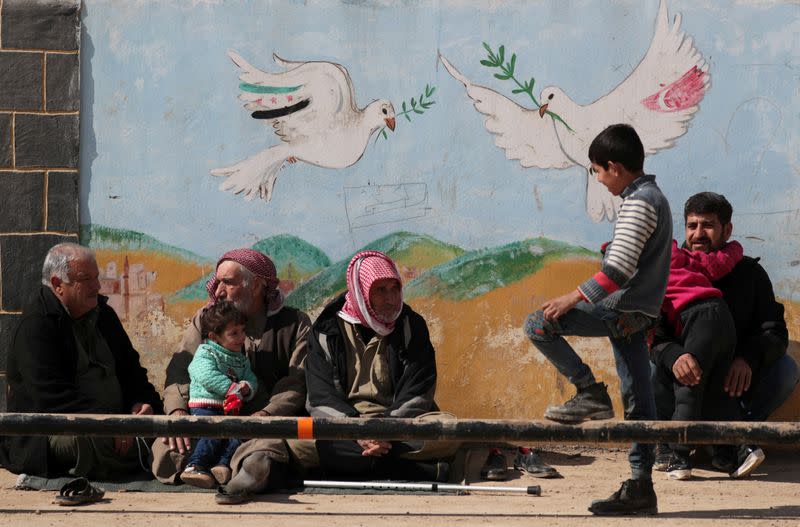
(497,60)
(414,106)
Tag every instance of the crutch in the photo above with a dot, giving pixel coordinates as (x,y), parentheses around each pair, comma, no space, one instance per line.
(533,490)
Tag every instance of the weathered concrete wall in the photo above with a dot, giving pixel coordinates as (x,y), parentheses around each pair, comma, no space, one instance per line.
(39,138)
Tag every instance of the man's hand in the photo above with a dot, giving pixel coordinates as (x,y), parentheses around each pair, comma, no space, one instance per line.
(122,445)
(737,381)
(142,409)
(557,307)
(181,444)
(686,370)
(375,448)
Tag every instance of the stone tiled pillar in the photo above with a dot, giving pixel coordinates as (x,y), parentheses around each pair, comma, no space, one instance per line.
(39,139)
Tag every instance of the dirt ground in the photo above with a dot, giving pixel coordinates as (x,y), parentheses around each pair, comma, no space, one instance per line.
(770,497)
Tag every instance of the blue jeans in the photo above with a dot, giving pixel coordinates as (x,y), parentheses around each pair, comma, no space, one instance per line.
(626,331)
(769,389)
(208,452)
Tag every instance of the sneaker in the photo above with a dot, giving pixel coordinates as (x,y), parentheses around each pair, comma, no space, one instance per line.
(679,467)
(495,468)
(221,473)
(528,460)
(198,477)
(663,453)
(749,457)
(635,496)
(591,402)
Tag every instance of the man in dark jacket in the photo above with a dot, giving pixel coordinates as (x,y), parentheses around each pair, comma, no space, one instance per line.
(70,354)
(761,375)
(370,355)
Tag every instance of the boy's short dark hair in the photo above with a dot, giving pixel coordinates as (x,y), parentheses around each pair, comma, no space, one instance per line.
(709,203)
(618,143)
(216,317)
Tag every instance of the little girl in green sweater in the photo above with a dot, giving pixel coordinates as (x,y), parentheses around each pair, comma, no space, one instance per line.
(221,380)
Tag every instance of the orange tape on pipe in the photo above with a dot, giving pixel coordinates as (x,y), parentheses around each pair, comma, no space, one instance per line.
(305,428)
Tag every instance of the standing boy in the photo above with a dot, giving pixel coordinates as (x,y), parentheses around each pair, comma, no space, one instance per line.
(620,302)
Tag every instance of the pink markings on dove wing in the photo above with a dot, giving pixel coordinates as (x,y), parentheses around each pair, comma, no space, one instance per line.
(681,94)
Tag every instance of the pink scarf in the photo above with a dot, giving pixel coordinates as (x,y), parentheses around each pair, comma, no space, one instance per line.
(363,270)
(258,264)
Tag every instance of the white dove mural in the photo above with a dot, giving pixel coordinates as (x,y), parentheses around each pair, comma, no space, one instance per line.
(658,98)
(312,108)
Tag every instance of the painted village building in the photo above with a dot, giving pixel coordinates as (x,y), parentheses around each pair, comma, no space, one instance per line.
(128,293)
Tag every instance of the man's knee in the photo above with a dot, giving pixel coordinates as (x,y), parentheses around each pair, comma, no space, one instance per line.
(539,329)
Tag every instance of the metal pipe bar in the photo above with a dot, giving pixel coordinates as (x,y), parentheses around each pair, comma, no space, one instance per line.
(490,430)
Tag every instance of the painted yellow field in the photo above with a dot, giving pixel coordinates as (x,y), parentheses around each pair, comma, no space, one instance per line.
(172,273)
(488,368)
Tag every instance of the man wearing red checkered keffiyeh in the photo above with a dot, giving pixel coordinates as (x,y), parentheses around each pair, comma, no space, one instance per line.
(374,292)
(370,355)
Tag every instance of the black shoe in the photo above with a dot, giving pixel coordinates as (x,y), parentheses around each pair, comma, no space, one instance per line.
(680,467)
(723,458)
(591,402)
(442,472)
(749,457)
(495,468)
(663,453)
(533,465)
(635,496)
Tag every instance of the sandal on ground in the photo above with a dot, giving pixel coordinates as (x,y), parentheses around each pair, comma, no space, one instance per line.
(79,492)
(223,497)
(198,477)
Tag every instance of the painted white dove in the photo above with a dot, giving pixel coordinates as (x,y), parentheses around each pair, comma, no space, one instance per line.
(658,99)
(312,108)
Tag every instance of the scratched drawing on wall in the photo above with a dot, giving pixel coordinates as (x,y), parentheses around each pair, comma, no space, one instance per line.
(313,110)
(370,205)
(658,98)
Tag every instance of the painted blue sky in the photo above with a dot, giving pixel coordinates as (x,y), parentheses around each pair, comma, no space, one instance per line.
(160,110)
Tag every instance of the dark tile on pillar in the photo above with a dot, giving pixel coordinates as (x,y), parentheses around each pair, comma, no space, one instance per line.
(23,200)
(46,141)
(21,259)
(7,325)
(63,83)
(41,24)
(5,140)
(3,392)
(62,202)
(21,81)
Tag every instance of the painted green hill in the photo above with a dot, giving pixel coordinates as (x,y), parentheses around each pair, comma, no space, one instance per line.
(417,252)
(102,237)
(294,259)
(478,272)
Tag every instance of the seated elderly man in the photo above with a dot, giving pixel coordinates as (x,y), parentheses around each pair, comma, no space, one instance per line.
(370,355)
(276,346)
(70,354)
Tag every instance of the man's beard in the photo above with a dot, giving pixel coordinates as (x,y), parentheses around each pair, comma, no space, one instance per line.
(243,304)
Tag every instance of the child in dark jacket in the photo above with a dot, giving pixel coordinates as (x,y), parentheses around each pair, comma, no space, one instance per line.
(698,322)
(221,380)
